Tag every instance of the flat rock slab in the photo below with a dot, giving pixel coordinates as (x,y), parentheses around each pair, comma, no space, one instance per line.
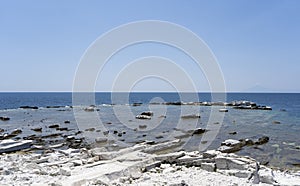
(12,145)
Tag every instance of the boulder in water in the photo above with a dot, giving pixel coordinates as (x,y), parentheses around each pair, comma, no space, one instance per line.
(192,116)
(142,117)
(4,118)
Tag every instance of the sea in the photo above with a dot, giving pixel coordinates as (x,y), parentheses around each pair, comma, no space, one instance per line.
(116,114)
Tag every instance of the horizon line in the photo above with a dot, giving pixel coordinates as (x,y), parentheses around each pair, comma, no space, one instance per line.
(248,92)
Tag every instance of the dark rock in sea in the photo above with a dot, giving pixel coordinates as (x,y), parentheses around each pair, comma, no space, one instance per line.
(137,104)
(149,142)
(262,140)
(296,165)
(120,134)
(53,126)
(276,122)
(54,135)
(67,121)
(16,132)
(108,123)
(39,129)
(159,137)
(29,107)
(31,137)
(173,103)
(78,132)
(147,113)
(232,133)
(283,110)
(98,130)
(105,132)
(198,131)
(90,129)
(246,142)
(4,118)
(62,128)
(1,130)
(7,136)
(192,116)
(142,117)
(55,106)
(115,132)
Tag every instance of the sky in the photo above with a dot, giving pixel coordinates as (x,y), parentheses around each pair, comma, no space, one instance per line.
(256,43)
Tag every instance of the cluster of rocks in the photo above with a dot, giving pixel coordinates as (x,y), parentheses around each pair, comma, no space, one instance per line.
(231,145)
(51,106)
(55,136)
(132,165)
(148,114)
(8,135)
(233,104)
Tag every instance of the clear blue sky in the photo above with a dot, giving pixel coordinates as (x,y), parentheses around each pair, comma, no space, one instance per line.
(257,43)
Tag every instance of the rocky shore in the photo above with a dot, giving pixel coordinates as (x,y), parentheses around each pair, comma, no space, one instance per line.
(54,152)
(143,164)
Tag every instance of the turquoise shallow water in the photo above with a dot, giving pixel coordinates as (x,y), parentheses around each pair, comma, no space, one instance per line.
(283,149)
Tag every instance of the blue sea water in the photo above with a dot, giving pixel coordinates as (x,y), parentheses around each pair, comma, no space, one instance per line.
(283,149)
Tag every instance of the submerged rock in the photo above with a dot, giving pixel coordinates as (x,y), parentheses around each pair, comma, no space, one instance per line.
(39,129)
(90,129)
(142,126)
(262,140)
(192,116)
(198,131)
(232,133)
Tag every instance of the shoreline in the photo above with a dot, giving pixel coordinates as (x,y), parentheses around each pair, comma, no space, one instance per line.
(142,164)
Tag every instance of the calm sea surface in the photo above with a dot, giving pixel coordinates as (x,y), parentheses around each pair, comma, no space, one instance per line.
(283,149)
